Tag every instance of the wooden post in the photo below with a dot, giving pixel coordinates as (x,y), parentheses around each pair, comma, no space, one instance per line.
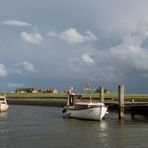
(121,101)
(132,112)
(102,94)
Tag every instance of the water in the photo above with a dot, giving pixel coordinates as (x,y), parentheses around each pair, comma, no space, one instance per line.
(44,127)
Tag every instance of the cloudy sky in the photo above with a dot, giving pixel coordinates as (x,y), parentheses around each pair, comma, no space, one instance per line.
(59,43)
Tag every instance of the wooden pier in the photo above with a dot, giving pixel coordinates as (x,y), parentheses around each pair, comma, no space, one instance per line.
(134,107)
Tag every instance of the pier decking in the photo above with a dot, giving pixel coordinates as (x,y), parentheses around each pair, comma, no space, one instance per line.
(126,103)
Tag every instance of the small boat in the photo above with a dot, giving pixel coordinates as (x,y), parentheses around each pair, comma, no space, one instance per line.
(76,108)
(3,104)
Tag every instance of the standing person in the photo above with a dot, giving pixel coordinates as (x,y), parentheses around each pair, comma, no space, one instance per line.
(70,96)
(70,91)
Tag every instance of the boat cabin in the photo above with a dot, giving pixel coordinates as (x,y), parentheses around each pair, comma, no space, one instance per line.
(72,99)
(2,100)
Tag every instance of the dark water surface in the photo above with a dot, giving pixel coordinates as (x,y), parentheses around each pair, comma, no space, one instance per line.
(44,127)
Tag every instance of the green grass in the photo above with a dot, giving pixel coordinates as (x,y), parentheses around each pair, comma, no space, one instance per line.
(110,96)
(33,95)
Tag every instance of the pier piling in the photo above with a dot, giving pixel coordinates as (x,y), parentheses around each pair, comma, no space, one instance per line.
(121,102)
(102,94)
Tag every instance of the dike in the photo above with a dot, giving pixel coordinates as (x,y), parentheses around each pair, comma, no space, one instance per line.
(57,102)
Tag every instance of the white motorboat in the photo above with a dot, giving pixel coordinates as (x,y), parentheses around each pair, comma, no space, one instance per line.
(3,104)
(89,110)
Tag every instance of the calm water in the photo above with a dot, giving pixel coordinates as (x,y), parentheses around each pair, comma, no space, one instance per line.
(44,127)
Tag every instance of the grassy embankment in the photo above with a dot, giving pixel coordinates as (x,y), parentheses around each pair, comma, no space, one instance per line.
(109,96)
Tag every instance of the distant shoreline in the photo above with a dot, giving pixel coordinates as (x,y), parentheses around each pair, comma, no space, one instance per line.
(59,99)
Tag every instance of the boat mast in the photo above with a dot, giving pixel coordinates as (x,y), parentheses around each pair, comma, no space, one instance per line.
(89,89)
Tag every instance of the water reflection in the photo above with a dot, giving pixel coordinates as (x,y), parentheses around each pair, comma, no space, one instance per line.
(102,134)
(103,125)
(4,129)
(3,114)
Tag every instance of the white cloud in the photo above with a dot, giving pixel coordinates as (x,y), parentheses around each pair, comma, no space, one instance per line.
(29,67)
(81,63)
(3,71)
(89,36)
(24,67)
(87,59)
(82,60)
(16,23)
(35,38)
(52,34)
(73,37)
(131,54)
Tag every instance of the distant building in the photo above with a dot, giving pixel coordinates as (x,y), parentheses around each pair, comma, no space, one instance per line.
(35,90)
(52,90)
(88,87)
(27,90)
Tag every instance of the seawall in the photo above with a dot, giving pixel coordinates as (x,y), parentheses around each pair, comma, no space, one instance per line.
(61,102)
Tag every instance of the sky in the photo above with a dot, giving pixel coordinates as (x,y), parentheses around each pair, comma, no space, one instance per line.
(62,43)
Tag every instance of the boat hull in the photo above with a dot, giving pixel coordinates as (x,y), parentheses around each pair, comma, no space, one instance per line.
(96,113)
(3,107)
